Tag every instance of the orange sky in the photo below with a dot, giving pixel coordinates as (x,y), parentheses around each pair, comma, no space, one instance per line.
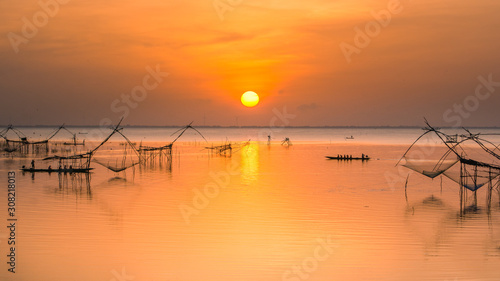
(78,65)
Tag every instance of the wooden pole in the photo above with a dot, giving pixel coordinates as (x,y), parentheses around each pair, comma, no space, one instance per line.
(406,185)
(461,189)
(490,188)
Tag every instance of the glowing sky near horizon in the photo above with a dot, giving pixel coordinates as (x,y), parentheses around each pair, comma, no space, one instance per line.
(95,60)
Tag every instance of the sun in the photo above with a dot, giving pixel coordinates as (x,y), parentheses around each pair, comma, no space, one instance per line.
(249,99)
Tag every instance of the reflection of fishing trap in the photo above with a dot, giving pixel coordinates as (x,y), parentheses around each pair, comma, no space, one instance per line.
(74,183)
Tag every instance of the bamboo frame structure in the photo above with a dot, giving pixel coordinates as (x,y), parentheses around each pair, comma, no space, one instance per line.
(225,150)
(22,144)
(150,156)
(470,173)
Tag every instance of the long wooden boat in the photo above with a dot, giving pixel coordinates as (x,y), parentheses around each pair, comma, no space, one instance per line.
(73,170)
(347,159)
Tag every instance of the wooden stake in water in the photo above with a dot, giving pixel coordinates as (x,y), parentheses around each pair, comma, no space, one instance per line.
(461,188)
(406,185)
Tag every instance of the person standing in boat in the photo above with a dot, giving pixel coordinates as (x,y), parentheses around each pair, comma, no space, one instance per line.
(33,164)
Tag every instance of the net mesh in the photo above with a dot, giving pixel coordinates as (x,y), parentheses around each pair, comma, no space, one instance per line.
(429,168)
(472,177)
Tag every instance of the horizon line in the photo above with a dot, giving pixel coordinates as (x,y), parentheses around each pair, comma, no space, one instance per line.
(258,127)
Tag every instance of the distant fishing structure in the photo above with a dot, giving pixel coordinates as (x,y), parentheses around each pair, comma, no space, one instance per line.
(73,141)
(151,156)
(116,159)
(80,163)
(129,154)
(226,150)
(286,142)
(472,165)
(22,145)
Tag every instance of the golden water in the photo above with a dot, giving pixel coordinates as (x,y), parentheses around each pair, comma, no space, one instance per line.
(266,213)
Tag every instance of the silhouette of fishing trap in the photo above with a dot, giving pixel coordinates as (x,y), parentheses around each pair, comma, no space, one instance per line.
(472,162)
(227,149)
(151,156)
(21,144)
(116,159)
(73,141)
(116,156)
(286,142)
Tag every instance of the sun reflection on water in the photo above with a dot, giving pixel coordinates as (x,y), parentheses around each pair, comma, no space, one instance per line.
(250,163)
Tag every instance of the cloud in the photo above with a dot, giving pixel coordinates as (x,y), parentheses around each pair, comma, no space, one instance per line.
(89,54)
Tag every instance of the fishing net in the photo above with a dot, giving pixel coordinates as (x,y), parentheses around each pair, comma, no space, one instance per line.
(473,176)
(117,153)
(429,168)
(429,157)
(479,158)
(117,166)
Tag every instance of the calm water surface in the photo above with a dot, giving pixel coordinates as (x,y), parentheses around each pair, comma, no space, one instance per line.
(266,213)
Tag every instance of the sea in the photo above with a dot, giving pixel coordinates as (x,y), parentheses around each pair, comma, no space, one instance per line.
(267,209)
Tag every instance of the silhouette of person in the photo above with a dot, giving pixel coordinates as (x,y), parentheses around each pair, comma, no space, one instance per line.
(32,164)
